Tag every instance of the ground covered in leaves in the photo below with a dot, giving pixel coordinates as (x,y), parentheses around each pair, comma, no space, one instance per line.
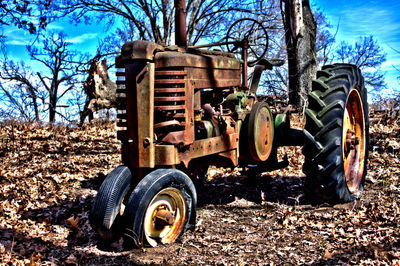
(50,175)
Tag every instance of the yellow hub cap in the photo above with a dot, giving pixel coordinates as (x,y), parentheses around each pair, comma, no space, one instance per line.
(353,141)
(165,217)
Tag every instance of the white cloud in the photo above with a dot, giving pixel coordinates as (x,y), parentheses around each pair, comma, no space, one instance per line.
(391,62)
(16,42)
(82,38)
(54,27)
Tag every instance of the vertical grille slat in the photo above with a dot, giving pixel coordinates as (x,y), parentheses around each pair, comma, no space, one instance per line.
(122,115)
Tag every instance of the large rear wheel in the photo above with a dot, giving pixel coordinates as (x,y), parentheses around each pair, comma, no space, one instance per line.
(337,135)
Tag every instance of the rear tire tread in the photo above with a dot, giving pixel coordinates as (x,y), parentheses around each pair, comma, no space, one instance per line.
(325,181)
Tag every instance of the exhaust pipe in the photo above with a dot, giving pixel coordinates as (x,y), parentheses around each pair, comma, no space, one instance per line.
(180,23)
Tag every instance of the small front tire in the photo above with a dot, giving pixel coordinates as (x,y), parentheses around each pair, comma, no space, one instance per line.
(160,209)
(106,213)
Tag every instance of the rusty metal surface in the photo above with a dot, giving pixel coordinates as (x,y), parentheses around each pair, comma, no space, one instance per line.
(168,123)
(168,90)
(244,65)
(169,81)
(166,155)
(138,150)
(169,154)
(139,50)
(174,59)
(170,99)
(195,50)
(173,103)
(163,100)
(210,146)
(169,107)
(214,78)
(204,71)
(160,100)
(162,96)
(163,217)
(197,101)
(180,23)
(170,72)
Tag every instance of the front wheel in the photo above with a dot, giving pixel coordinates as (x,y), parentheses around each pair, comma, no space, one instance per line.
(160,208)
(337,135)
(106,213)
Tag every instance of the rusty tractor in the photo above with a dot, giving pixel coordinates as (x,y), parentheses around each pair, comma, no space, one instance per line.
(183,108)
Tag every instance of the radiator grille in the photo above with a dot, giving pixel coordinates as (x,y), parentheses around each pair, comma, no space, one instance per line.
(169,101)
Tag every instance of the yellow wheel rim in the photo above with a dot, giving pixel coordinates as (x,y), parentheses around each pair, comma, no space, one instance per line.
(354,141)
(261,132)
(165,217)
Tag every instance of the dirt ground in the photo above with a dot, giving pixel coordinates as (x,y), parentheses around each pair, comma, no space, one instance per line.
(49,177)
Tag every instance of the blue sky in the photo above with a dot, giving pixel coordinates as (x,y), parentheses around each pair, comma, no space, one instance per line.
(368,17)
(84,38)
(355,18)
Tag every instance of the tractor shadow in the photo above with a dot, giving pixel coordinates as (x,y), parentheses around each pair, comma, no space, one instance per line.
(71,214)
(72,218)
(39,250)
(259,188)
(67,222)
(59,213)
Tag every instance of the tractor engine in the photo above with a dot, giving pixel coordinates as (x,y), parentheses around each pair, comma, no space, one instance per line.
(172,97)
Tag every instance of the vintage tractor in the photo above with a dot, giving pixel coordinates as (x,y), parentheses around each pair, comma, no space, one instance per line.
(183,108)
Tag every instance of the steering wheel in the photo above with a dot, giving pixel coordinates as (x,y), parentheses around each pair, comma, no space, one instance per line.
(250,30)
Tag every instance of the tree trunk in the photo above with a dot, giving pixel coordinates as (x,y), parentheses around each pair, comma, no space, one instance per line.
(35,106)
(34,101)
(52,105)
(300,35)
(52,115)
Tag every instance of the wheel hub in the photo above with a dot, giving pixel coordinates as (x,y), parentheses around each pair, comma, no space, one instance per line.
(351,142)
(165,217)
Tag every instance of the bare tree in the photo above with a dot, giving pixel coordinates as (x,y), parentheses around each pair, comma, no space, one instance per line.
(19,89)
(28,92)
(325,40)
(62,69)
(18,103)
(28,15)
(153,20)
(368,56)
